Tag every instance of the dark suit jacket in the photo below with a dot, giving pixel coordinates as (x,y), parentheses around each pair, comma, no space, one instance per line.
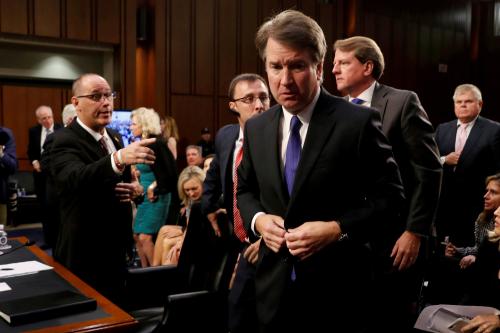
(8,162)
(464,186)
(35,133)
(219,177)
(95,230)
(406,125)
(346,173)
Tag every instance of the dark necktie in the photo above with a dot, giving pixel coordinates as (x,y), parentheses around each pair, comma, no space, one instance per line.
(358,101)
(239,230)
(293,150)
(104,147)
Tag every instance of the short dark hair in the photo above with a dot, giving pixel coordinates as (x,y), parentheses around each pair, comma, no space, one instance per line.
(293,29)
(250,77)
(365,49)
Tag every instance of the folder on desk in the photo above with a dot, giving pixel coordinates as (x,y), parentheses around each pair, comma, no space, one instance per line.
(41,307)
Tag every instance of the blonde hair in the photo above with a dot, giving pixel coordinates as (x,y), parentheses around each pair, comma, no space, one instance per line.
(148,120)
(170,130)
(190,172)
(365,49)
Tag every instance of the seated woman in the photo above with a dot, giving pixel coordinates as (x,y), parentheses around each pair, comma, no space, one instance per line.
(484,223)
(170,237)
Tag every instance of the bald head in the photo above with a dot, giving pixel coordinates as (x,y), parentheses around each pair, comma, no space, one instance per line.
(44,116)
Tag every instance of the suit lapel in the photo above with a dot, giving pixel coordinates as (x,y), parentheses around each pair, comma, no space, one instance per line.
(320,127)
(379,100)
(474,135)
(226,160)
(273,155)
(116,138)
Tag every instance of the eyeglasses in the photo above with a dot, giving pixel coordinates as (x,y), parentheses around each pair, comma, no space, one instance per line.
(98,97)
(252,99)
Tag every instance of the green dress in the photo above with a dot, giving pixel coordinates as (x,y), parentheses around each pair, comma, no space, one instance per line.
(151,216)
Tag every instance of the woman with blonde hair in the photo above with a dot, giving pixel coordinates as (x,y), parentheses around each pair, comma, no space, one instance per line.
(170,133)
(159,179)
(170,237)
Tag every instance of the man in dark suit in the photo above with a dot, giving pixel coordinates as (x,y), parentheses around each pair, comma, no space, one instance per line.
(8,166)
(358,64)
(92,177)
(470,151)
(36,140)
(317,178)
(248,97)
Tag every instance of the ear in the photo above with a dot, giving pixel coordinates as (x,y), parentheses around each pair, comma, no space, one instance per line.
(368,68)
(74,101)
(319,71)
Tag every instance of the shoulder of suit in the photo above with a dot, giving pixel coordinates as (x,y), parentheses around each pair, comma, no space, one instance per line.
(395,92)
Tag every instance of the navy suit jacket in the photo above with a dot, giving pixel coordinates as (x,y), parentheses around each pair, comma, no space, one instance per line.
(34,148)
(464,185)
(8,162)
(346,173)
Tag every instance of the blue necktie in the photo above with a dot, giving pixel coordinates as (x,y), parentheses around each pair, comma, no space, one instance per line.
(358,101)
(293,150)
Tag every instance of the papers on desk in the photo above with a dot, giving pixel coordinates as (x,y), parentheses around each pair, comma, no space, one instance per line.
(22,268)
(445,318)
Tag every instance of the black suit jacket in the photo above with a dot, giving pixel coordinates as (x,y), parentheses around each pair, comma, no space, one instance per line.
(406,125)
(346,173)
(34,136)
(219,180)
(95,230)
(464,186)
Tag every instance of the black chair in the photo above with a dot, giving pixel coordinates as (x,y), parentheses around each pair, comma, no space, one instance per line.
(193,294)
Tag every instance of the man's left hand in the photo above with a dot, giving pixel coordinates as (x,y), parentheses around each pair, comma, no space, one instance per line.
(311,237)
(251,254)
(405,251)
(126,192)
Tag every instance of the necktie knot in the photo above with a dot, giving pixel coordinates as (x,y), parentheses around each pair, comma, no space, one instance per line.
(358,101)
(293,151)
(295,124)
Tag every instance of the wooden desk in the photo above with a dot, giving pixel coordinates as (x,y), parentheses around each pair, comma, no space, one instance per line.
(117,321)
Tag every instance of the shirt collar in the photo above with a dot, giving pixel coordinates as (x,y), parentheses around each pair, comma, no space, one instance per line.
(470,123)
(366,95)
(96,135)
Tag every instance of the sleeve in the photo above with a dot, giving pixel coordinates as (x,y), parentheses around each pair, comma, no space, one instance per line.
(212,187)
(418,136)
(8,161)
(164,168)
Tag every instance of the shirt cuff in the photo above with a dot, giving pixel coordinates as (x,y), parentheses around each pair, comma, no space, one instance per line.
(252,225)
(114,166)
(442,159)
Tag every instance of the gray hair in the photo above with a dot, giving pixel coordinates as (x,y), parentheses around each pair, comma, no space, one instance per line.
(467,87)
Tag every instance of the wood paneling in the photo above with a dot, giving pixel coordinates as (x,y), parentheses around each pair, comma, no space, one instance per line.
(204,47)
(180,48)
(14,16)
(19,104)
(227,54)
(78,19)
(249,23)
(47,17)
(108,21)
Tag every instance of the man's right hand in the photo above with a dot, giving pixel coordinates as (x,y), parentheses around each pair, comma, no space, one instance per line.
(452,158)
(37,166)
(138,152)
(272,229)
(212,218)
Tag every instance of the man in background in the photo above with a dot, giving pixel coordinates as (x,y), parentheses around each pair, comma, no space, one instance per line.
(37,137)
(8,166)
(357,66)
(206,143)
(248,97)
(193,156)
(470,151)
(95,188)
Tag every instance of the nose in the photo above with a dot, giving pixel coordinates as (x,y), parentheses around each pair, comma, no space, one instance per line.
(335,69)
(258,105)
(286,77)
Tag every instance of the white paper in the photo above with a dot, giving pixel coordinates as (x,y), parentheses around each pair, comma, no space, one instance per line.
(22,268)
(4,287)
(438,318)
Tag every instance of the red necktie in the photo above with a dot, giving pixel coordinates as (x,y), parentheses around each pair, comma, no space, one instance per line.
(239,230)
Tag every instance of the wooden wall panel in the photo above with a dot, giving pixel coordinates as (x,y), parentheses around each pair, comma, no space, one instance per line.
(225,117)
(78,19)
(249,23)
(108,21)
(18,106)
(227,55)
(192,113)
(326,11)
(204,47)
(14,16)
(180,46)
(47,18)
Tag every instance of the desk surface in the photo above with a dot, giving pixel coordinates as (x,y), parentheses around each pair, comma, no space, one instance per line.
(116,320)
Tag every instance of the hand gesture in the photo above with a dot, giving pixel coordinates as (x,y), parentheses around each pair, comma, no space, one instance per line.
(138,152)
(311,237)
(405,251)
(272,229)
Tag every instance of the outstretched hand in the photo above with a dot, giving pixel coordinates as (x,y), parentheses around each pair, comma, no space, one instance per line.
(138,152)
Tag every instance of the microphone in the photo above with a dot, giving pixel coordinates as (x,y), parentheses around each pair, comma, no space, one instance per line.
(27,243)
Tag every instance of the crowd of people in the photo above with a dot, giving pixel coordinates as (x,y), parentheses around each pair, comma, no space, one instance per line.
(339,206)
